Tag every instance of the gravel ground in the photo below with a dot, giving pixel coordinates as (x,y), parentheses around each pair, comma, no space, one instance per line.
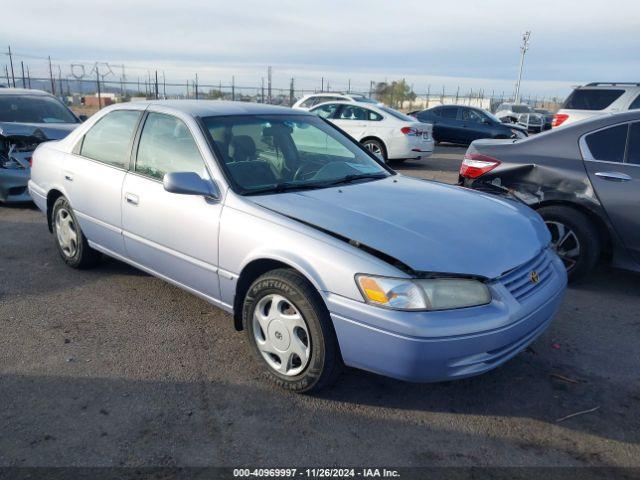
(112,367)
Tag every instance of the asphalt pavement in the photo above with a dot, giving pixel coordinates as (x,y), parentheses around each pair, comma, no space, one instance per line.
(113,367)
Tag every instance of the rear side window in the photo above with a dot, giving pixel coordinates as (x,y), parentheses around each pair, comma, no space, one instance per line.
(608,144)
(635,104)
(109,140)
(449,112)
(634,144)
(166,145)
(326,111)
(595,99)
(308,103)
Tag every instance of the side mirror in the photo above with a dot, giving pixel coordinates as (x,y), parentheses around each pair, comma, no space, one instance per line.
(190,183)
(82,117)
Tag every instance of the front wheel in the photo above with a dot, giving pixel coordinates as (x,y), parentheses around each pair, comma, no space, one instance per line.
(291,332)
(574,238)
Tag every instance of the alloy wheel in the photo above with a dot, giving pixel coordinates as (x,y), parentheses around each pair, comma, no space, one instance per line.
(565,243)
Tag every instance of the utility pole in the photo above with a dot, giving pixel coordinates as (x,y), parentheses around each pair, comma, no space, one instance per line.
(156,84)
(349,87)
(291,93)
(269,72)
(370,88)
(53,84)
(322,84)
(13,77)
(523,50)
(262,94)
(195,87)
(6,72)
(24,82)
(98,87)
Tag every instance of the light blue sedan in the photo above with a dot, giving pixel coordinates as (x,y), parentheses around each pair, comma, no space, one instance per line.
(321,253)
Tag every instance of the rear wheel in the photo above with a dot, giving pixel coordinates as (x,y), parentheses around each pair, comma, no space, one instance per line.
(71,242)
(376,147)
(574,238)
(291,332)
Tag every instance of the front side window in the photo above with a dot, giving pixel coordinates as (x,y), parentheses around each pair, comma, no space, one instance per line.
(633,155)
(109,140)
(166,145)
(282,152)
(635,104)
(608,144)
(591,99)
(469,115)
(34,109)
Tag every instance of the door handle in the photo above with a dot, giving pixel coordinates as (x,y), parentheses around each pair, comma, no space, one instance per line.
(68,176)
(131,198)
(614,176)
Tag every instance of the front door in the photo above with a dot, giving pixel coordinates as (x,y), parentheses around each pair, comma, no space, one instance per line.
(612,159)
(353,119)
(174,235)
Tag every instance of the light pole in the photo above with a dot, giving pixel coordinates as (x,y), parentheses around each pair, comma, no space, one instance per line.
(523,50)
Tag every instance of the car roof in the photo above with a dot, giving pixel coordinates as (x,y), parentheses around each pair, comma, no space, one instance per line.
(214,108)
(23,91)
(610,85)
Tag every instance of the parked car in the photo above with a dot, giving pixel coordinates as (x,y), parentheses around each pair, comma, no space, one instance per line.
(547,116)
(596,99)
(509,112)
(584,180)
(314,245)
(309,101)
(533,122)
(27,118)
(390,134)
(462,124)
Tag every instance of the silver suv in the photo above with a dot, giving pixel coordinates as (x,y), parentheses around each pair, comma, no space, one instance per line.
(598,98)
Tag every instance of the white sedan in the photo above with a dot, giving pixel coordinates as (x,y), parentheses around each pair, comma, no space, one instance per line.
(385,132)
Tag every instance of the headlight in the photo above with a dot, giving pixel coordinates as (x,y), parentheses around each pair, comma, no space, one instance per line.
(423,294)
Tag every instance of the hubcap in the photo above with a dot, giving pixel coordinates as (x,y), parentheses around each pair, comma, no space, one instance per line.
(565,243)
(373,148)
(66,232)
(281,335)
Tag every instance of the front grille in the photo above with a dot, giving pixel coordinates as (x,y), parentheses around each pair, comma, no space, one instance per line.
(518,281)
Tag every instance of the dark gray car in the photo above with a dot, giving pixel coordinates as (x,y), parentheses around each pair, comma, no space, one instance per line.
(583,179)
(27,118)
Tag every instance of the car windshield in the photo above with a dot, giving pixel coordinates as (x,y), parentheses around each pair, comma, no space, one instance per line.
(491,116)
(277,153)
(34,109)
(591,99)
(397,114)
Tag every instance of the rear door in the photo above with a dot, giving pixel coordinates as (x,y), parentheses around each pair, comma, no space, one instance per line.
(93,176)
(353,119)
(612,159)
(447,126)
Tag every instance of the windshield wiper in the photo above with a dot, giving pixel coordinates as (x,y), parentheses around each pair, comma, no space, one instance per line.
(283,187)
(354,177)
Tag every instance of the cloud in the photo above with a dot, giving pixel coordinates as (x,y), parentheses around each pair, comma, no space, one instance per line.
(571,41)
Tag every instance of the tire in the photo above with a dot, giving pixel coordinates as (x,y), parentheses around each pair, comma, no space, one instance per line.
(271,304)
(70,241)
(376,146)
(579,231)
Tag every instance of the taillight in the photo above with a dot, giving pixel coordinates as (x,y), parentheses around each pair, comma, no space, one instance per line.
(410,131)
(30,160)
(475,165)
(559,119)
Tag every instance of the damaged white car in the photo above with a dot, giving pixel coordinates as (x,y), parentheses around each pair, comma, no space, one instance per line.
(27,118)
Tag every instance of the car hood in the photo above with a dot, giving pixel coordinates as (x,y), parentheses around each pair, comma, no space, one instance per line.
(43,131)
(429,226)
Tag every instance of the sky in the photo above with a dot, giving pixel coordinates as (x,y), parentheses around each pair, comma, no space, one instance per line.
(432,44)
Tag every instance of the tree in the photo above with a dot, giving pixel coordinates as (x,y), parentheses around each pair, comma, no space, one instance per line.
(394,93)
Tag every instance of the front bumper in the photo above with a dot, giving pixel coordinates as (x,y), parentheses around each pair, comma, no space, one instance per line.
(445,345)
(13,185)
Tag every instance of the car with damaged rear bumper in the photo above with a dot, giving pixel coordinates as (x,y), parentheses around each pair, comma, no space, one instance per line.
(310,241)
(27,118)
